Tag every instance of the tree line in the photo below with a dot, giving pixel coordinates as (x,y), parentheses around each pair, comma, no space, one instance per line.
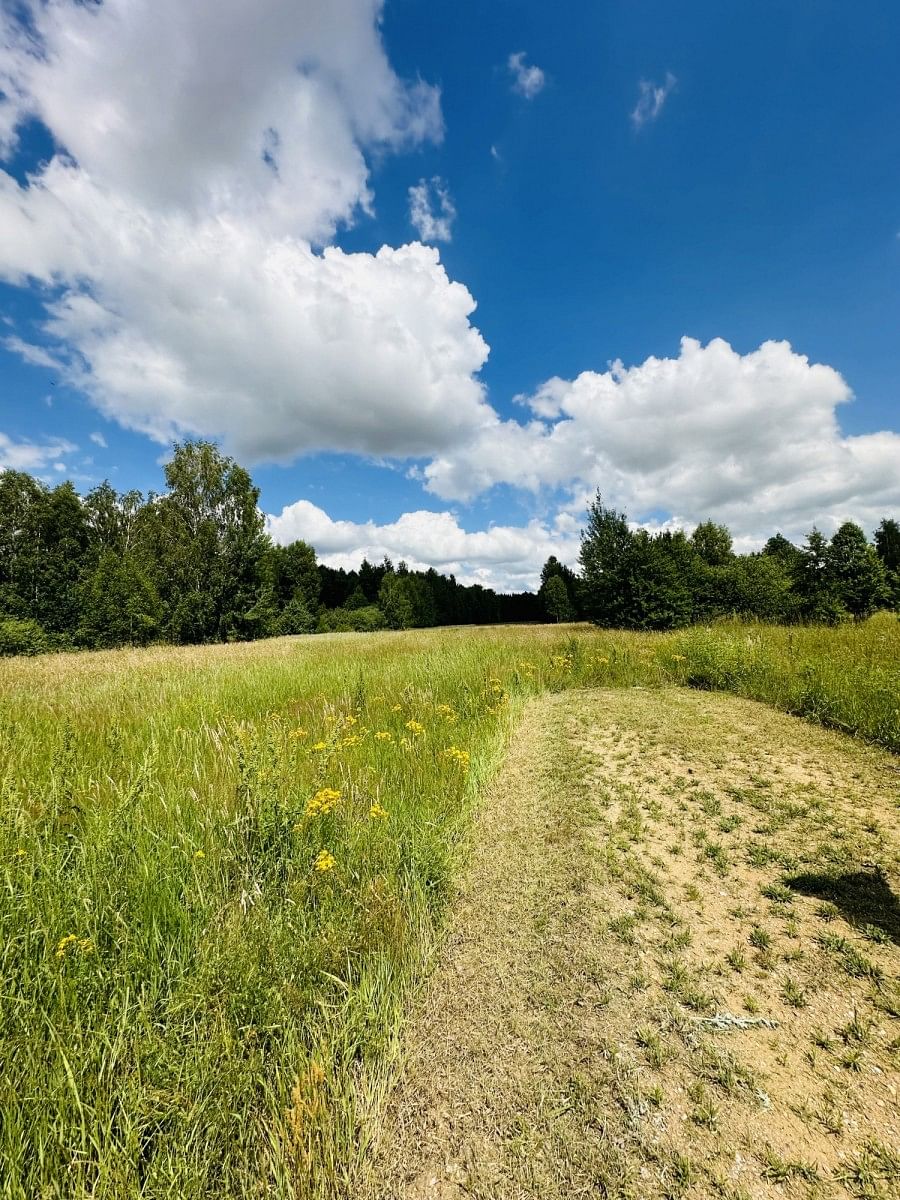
(194,564)
(633,579)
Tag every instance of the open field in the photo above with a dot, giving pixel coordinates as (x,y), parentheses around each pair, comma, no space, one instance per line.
(225,870)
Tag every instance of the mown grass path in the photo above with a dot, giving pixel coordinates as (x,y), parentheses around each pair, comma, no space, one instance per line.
(673,968)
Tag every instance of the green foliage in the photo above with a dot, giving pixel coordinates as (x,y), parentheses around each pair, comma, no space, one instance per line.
(119,604)
(22,636)
(712,543)
(555,599)
(855,572)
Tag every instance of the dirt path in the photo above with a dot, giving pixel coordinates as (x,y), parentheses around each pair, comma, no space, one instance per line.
(673,970)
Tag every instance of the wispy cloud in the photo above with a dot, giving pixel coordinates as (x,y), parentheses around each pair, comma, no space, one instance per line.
(99,440)
(431,210)
(33,456)
(36,355)
(651,100)
(527,80)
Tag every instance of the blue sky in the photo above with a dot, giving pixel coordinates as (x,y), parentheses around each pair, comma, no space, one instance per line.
(754,202)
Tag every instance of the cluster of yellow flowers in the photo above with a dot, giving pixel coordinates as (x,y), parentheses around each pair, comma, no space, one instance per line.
(446,711)
(377,813)
(457,755)
(322,802)
(563,661)
(73,942)
(415,727)
(383,735)
(397,708)
(679,658)
(324,861)
(198,854)
(352,739)
(320,746)
(298,733)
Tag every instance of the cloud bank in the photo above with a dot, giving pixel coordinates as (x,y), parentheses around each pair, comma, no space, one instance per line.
(752,440)
(505,557)
(206,154)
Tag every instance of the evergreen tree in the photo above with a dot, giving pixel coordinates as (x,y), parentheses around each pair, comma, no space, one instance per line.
(556,599)
(605,546)
(855,573)
(887,544)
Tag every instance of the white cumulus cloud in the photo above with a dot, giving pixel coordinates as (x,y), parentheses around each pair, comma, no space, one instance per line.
(752,440)
(19,455)
(99,440)
(431,211)
(505,557)
(651,99)
(207,153)
(528,79)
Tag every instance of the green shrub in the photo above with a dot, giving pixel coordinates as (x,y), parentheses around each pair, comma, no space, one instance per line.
(22,637)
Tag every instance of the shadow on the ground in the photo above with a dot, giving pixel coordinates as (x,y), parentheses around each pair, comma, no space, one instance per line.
(864,897)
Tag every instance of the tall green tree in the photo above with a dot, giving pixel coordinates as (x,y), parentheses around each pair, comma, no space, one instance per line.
(211,541)
(887,544)
(814,583)
(23,501)
(605,546)
(713,543)
(119,604)
(555,596)
(63,542)
(855,573)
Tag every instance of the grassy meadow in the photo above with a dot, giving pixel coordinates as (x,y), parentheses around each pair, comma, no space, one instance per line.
(224,870)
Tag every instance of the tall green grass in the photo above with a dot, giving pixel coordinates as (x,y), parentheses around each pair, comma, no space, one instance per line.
(188,1006)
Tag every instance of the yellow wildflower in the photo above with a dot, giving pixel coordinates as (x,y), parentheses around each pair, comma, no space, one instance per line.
(457,755)
(377,813)
(199,854)
(679,658)
(324,861)
(353,740)
(397,708)
(384,736)
(64,943)
(322,802)
(20,853)
(415,727)
(320,746)
(445,710)
(349,719)
(298,733)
